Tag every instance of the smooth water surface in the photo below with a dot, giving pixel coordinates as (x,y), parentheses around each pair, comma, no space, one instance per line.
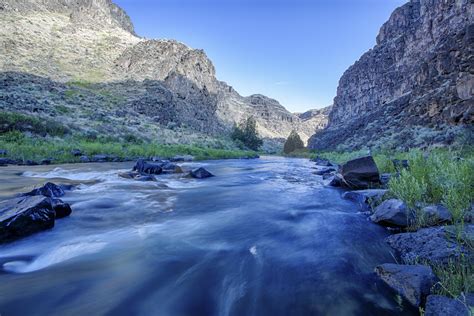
(263,237)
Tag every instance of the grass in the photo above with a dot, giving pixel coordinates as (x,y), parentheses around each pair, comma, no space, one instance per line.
(24,148)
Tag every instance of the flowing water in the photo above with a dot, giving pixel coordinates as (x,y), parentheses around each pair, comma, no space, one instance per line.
(263,237)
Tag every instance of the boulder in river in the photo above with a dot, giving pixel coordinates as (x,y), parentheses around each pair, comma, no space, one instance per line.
(60,208)
(435,245)
(134,175)
(361,173)
(170,167)
(142,166)
(436,214)
(49,190)
(24,216)
(393,213)
(438,305)
(365,198)
(323,171)
(7,161)
(201,173)
(413,282)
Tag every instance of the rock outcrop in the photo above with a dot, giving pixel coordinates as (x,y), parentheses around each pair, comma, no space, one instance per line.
(414,88)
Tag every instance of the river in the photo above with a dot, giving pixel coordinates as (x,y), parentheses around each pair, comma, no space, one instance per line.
(263,237)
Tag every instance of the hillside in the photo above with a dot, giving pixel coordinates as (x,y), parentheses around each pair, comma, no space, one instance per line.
(109,80)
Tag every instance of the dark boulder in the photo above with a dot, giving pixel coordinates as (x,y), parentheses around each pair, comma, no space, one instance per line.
(365,198)
(438,305)
(435,245)
(7,161)
(60,208)
(413,282)
(334,181)
(201,173)
(49,190)
(76,152)
(361,173)
(142,166)
(24,216)
(393,213)
(134,175)
(436,214)
(170,167)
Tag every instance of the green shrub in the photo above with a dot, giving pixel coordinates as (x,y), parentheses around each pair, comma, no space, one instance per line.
(11,121)
(246,133)
(293,142)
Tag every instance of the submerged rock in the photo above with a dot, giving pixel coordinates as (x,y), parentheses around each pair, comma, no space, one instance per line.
(413,282)
(24,216)
(438,305)
(393,213)
(49,190)
(361,173)
(435,245)
(148,168)
(201,173)
(365,198)
(133,175)
(170,167)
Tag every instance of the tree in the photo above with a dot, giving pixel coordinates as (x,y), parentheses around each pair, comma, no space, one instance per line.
(246,133)
(293,143)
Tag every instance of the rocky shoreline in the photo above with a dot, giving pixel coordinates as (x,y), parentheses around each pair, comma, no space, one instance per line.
(438,244)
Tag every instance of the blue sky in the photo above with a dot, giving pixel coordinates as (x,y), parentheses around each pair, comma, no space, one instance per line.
(292,50)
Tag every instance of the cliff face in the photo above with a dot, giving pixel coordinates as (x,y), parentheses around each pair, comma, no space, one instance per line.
(93,42)
(414,88)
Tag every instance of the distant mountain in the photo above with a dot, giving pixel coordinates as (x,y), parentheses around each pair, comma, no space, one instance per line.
(89,53)
(414,88)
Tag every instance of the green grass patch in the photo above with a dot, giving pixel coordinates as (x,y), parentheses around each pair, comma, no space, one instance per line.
(25,148)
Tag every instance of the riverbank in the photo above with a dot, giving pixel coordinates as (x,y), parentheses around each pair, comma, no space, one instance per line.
(16,148)
(426,199)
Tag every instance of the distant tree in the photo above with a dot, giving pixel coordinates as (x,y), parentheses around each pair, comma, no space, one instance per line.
(293,142)
(246,133)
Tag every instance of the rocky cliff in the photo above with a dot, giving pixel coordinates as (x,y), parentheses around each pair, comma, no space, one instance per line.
(414,88)
(90,46)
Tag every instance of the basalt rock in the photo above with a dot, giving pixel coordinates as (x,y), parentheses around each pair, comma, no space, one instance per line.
(361,173)
(436,214)
(413,282)
(365,198)
(435,245)
(438,305)
(142,166)
(60,208)
(393,213)
(24,216)
(49,190)
(201,173)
